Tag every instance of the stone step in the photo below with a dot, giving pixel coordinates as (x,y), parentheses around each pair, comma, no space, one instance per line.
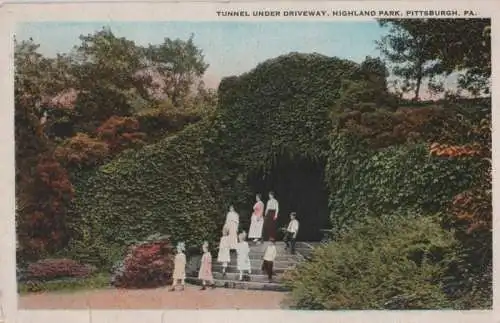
(283,258)
(263,245)
(253,277)
(260,255)
(255,270)
(242,285)
(255,263)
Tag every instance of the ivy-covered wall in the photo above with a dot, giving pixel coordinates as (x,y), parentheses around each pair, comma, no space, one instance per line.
(163,188)
(399,179)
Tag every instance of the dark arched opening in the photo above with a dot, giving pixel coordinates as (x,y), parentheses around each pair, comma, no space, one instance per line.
(299,187)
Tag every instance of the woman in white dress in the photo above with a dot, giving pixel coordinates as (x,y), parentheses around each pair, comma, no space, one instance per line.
(257,220)
(223,255)
(243,259)
(232,222)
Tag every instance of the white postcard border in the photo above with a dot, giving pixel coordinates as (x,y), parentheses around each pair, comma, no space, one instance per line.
(10,14)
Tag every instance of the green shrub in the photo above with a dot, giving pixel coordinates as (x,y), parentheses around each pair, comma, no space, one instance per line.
(68,284)
(387,263)
(96,252)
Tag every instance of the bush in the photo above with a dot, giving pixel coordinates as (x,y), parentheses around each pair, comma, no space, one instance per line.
(49,269)
(82,151)
(387,263)
(120,133)
(147,265)
(95,252)
(96,281)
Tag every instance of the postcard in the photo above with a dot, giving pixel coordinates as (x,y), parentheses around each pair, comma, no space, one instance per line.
(306,161)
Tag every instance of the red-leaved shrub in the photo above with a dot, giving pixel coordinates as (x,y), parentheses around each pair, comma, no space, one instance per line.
(147,265)
(82,150)
(48,269)
(42,215)
(120,133)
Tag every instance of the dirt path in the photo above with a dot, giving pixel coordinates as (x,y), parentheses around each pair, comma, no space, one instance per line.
(161,298)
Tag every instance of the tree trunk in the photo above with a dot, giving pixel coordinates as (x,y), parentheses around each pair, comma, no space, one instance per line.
(417,89)
(420,72)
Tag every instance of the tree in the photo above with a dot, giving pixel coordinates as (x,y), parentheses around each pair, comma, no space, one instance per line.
(464,45)
(409,50)
(110,77)
(30,88)
(422,48)
(180,65)
(39,76)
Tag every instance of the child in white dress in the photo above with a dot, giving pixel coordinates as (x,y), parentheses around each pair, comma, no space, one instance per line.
(179,274)
(243,259)
(224,254)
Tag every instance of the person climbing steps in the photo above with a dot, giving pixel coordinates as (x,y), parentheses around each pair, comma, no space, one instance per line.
(268,259)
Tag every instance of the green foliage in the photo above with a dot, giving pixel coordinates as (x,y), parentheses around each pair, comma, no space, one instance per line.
(410,52)
(416,47)
(96,252)
(160,121)
(106,61)
(69,284)
(364,183)
(181,65)
(166,187)
(386,263)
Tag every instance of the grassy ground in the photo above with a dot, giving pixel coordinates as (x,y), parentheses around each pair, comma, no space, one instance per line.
(97,281)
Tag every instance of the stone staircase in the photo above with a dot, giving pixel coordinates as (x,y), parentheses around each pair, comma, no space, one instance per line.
(258,279)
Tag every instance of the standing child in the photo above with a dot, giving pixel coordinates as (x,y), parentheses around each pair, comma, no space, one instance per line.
(243,259)
(205,273)
(179,267)
(224,255)
(269,256)
(291,233)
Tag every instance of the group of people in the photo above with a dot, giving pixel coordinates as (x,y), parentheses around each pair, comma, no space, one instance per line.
(262,228)
(262,222)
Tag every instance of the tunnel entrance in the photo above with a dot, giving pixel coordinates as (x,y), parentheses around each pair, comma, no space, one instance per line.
(299,187)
